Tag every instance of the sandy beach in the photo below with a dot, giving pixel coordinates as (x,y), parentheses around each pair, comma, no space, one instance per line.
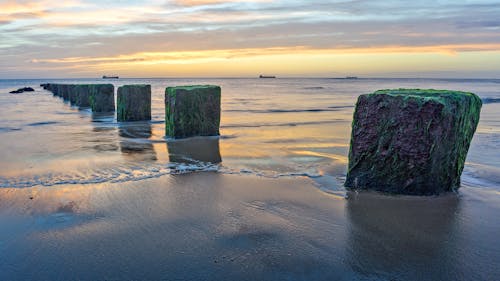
(209,226)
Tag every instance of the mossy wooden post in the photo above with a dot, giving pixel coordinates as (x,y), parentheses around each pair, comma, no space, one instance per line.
(411,141)
(192,111)
(55,89)
(51,88)
(72,94)
(133,103)
(102,97)
(63,90)
(82,93)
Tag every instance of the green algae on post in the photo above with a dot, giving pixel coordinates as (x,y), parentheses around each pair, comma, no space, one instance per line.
(72,94)
(82,95)
(133,103)
(411,141)
(63,90)
(102,97)
(192,111)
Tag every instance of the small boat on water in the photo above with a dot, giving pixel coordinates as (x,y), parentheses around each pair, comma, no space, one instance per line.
(267,76)
(351,77)
(110,77)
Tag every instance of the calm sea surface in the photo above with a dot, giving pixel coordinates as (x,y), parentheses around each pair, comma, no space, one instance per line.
(269,127)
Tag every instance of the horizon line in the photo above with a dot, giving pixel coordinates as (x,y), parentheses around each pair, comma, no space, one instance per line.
(256,77)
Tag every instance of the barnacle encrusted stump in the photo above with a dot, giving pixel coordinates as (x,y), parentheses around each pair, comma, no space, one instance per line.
(133,103)
(102,97)
(192,111)
(411,141)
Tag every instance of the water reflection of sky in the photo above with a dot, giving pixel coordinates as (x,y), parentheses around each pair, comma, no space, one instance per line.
(268,127)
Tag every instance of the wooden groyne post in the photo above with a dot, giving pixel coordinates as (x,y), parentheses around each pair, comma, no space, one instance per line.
(411,141)
(192,111)
(133,103)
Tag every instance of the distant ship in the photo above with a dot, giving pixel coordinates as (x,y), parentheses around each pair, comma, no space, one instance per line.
(267,76)
(110,77)
(351,77)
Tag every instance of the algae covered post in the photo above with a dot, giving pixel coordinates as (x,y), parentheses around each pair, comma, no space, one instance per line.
(102,97)
(82,95)
(72,94)
(56,90)
(133,103)
(50,87)
(63,90)
(192,111)
(411,141)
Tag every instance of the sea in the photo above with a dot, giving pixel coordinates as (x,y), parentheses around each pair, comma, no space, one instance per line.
(283,127)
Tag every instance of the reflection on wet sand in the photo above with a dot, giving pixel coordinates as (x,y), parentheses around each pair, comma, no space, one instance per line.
(134,141)
(105,132)
(194,150)
(402,237)
(230,227)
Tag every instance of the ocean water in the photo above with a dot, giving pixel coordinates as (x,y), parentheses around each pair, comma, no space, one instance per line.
(269,127)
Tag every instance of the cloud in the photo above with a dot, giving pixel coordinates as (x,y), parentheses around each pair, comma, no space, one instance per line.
(34,7)
(191,3)
(92,32)
(184,57)
(190,57)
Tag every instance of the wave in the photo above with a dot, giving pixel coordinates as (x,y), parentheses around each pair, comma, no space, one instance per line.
(233,136)
(475,175)
(8,129)
(491,100)
(42,123)
(112,175)
(288,124)
(480,175)
(330,108)
(269,174)
(157,121)
(120,174)
(313,88)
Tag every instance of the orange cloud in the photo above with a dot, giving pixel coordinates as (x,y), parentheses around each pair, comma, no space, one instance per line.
(178,57)
(17,7)
(282,61)
(14,10)
(187,57)
(210,2)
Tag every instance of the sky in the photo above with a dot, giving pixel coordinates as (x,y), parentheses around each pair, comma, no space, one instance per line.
(240,38)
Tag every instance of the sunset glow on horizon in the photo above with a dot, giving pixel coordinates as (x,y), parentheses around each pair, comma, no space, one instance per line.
(217,38)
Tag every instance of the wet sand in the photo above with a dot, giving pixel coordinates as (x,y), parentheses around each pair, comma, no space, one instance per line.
(212,226)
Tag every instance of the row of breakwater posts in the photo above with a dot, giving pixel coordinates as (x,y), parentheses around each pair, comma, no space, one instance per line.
(403,141)
(99,97)
(189,110)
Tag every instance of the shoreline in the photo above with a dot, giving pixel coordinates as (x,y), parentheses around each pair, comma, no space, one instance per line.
(214,226)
